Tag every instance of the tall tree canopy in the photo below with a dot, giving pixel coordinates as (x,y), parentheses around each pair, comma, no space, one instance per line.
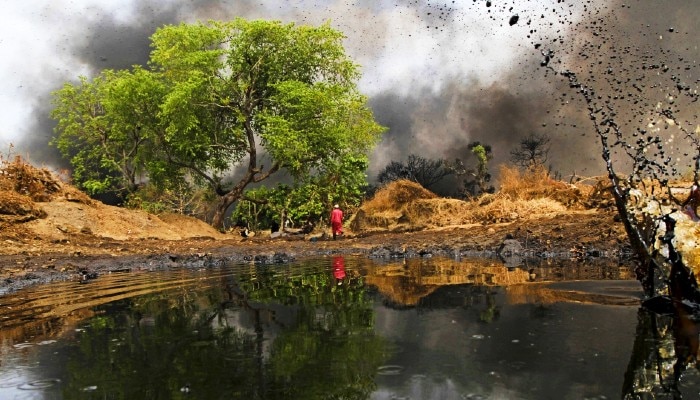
(241,99)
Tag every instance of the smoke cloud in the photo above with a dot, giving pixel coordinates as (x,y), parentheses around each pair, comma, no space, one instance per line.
(439,74)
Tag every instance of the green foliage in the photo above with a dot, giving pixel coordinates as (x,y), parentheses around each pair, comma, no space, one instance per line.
(477,178)
(106,127)
(308,200)
(82,121)
(253,211)
(309,126)
(213,96)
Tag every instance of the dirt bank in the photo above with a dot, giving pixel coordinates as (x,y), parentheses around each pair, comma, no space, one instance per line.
(51,231)
(29,259)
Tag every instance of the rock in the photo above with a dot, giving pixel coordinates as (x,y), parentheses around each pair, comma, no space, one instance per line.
(510,253)
(509,247)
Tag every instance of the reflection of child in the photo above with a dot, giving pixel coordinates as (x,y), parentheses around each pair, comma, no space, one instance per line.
(339,268)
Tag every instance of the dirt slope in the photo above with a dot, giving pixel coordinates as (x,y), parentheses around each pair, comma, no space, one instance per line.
(64,217)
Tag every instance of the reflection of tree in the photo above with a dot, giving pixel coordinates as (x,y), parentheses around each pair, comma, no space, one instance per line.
(492,311)
(665,345)
(224,343)
(480,298)
(153,349)
(335,337)
(332,344)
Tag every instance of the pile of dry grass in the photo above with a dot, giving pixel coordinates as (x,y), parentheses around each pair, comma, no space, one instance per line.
(405,205)
(15,207)
(536,183)
(439,212)
(529,194)
(397,194)
(22,185)
(26,180)
(386,210)
(497,208)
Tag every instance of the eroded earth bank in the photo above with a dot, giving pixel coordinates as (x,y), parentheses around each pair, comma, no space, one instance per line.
(51,231)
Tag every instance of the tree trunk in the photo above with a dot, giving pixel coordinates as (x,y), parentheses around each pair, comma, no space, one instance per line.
(222,207)
(283,218)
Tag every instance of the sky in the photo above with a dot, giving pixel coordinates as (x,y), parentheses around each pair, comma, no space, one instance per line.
(438,74)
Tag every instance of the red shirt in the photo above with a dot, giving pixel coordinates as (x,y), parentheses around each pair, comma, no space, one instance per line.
(336,215)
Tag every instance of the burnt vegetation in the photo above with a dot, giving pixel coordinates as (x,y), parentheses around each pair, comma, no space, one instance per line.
(426,172)
(533,151)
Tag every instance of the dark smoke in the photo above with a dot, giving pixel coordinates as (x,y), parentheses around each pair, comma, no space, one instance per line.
(610,45)
(638,60)
(442,124)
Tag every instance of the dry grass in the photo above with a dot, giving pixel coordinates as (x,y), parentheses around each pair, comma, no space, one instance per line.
(26,180)
(529,194)
(535,183)
(439,212)
(405,205)
(22,185)
(395,195)
(501,208)
(386,210)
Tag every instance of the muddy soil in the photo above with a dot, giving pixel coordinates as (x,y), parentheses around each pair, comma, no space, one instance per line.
(30,257)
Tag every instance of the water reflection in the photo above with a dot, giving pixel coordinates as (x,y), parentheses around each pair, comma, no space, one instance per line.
(339,269)
(238,334)
(347,328)
(665,347)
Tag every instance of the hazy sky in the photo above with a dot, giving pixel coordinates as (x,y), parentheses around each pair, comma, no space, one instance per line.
(439,74)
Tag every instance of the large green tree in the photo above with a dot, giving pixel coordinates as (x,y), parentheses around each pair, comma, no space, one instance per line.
(226,104)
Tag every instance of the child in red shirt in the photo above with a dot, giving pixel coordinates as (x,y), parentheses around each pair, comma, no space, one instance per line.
(336,221)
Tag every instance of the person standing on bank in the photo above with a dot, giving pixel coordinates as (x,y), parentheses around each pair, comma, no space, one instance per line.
(336,221)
